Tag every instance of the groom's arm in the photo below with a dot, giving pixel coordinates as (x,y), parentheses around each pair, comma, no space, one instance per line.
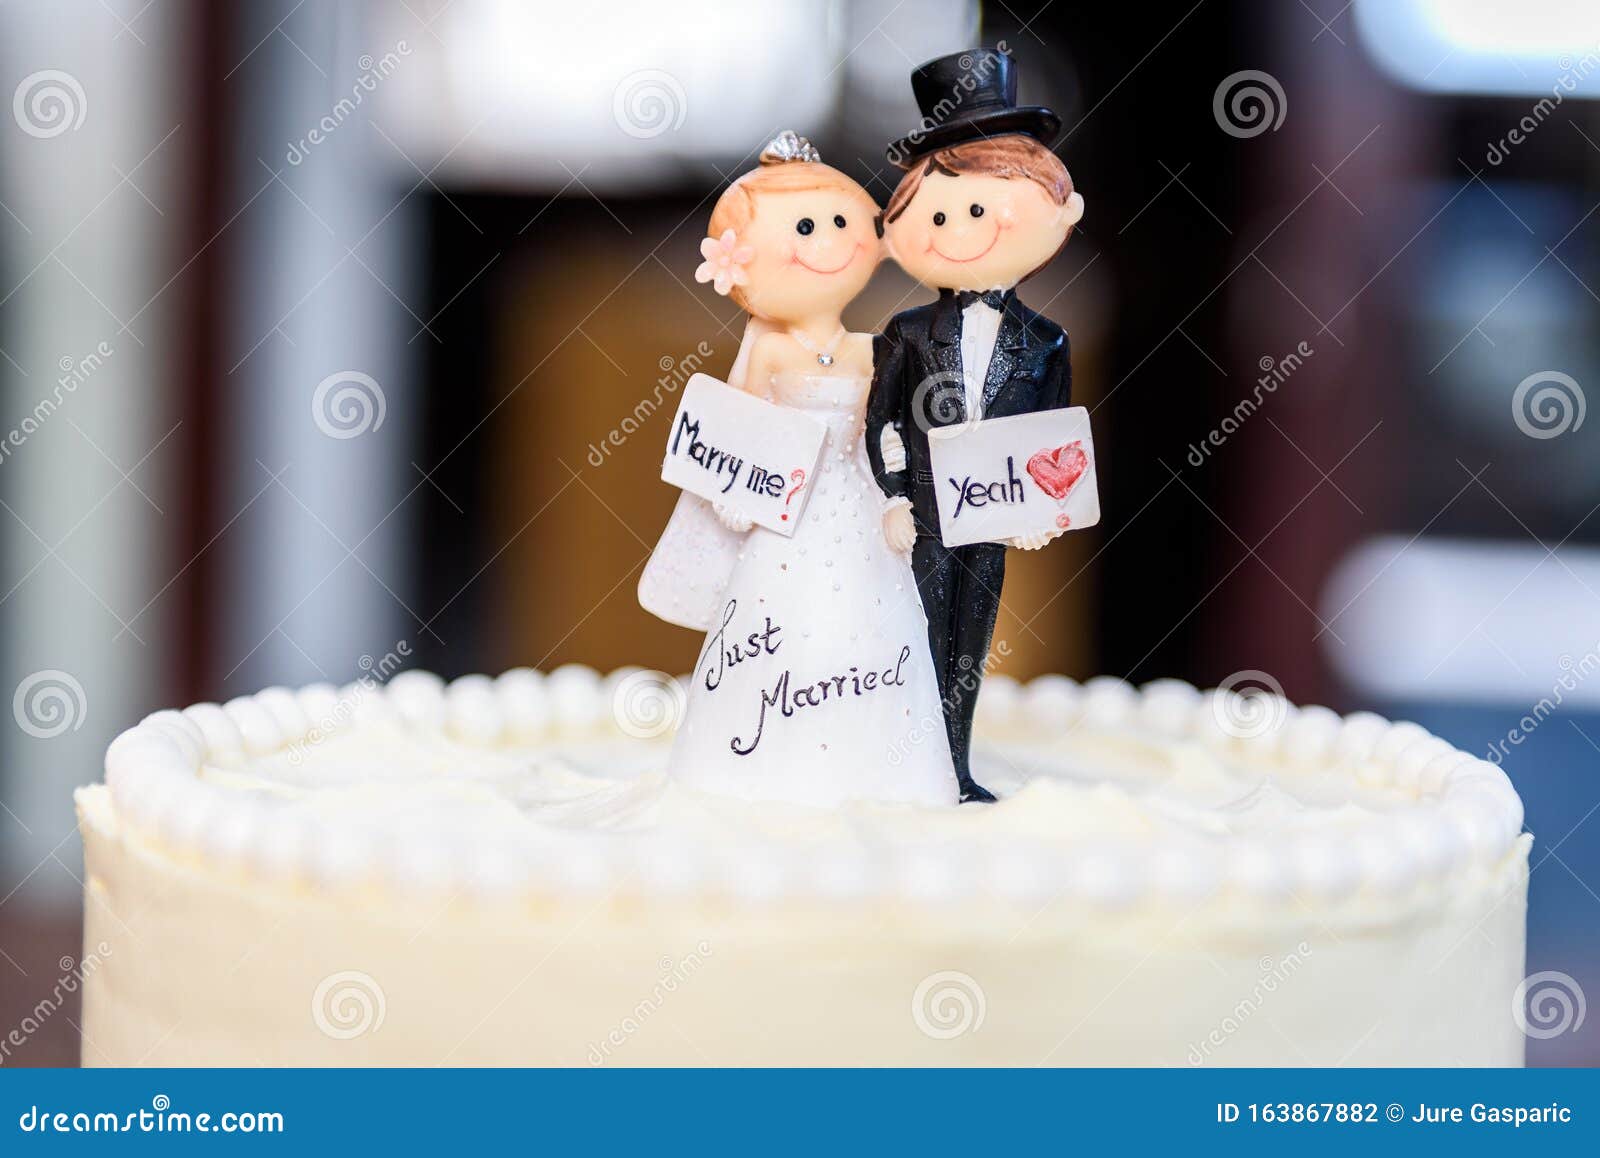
(1055,393)
(1058,387)
(885,403)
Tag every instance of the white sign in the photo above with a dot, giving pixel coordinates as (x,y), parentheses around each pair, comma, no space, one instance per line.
(1021,475)
(750,455)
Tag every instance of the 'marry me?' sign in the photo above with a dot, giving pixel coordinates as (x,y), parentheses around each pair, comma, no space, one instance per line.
(1005,477)
(743,452)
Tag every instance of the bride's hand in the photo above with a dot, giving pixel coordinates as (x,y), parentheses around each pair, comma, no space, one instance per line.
(731,519)
(899,528)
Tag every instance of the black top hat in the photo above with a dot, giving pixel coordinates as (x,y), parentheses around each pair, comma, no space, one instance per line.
(967,96)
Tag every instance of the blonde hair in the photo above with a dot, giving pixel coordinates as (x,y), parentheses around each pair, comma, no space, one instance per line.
(736,208)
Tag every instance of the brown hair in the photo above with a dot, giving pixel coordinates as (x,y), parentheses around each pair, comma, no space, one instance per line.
(1009,155)
(736,208)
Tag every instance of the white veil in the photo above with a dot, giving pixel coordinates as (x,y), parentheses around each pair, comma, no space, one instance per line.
(689,570)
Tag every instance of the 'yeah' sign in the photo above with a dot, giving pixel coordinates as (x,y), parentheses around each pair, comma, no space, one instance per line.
(743,452)
(1004,477)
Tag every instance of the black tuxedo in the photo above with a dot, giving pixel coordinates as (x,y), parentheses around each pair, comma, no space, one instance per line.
(917,384)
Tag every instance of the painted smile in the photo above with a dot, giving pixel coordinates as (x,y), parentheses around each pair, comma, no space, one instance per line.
(854,249)
(932,248)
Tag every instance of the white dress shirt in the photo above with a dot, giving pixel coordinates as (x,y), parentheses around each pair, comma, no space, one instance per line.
(980,326)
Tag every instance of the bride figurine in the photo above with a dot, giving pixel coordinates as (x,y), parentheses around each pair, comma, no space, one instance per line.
(815,683)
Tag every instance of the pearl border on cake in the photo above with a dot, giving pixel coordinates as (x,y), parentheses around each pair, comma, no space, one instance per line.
(1467,815)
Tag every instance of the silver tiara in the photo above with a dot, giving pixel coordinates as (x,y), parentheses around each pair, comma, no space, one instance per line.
(789,146)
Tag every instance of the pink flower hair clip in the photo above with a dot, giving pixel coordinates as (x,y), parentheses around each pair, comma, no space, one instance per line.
(724,262)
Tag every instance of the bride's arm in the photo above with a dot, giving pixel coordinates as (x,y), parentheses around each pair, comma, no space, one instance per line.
(763,365)
(756,380)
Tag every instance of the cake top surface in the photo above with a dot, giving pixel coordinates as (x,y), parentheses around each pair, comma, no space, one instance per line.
(1108,792)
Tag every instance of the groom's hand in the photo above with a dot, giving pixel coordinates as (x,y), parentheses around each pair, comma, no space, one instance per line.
(1035,541)
(899,528)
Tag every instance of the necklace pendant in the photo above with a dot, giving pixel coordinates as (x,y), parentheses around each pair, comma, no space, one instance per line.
(824,359)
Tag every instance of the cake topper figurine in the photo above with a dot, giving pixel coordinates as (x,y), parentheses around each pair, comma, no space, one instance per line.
(984,204)
(815,683)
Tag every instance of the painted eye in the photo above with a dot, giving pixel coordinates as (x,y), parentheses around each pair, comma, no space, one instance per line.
(938,218)
(804,226)
(976,210)
(838,219)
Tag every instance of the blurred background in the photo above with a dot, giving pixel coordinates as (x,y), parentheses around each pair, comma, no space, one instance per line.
(331,329)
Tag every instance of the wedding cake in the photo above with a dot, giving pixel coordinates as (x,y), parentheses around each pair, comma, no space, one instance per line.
(496,871)
(798,855)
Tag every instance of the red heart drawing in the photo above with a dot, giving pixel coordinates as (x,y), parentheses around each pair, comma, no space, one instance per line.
(1058,471)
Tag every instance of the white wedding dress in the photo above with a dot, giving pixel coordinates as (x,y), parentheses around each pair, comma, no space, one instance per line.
(815,684)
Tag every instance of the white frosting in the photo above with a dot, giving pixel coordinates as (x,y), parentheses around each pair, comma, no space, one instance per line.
(1110,793)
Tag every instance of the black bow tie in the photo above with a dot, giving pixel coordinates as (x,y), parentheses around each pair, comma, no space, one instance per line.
(994,299)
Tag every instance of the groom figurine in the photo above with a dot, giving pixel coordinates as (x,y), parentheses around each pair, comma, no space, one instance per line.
(984,204)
